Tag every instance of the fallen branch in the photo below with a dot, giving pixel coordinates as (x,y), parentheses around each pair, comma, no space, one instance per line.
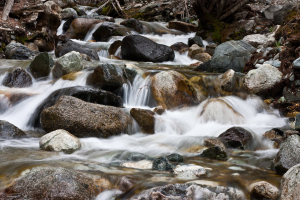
(234,9)
(7,9)
(122,11)
(5,29)
(113,4)
(102,6)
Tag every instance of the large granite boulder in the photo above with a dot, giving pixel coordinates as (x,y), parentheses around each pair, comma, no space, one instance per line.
(18,78)
(139,48)
(237,137)
(84,119)
(172,89)
(290,184)
(18,51)
(87,94)
(41,65)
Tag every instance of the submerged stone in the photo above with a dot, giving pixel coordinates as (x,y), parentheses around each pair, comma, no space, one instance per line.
(162,164)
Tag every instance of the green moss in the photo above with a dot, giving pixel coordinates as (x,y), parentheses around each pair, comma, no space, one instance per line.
(218,26)
(2,47)
(106,9)
(239,34)
(138,16)
(21,40)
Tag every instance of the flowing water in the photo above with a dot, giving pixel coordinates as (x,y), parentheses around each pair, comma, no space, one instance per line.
(181,130)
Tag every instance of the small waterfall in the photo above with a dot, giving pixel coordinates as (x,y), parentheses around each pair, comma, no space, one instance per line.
(118,53)
(103,53)
(139,93)
(60,28)
(89,35)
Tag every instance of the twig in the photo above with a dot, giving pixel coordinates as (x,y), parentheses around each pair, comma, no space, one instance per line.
(124,14)
(115,8)
(102,6)
(5,29)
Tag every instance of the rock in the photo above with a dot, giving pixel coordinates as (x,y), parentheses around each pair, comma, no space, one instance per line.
(175,157)
(280,15)
(162,164)
(196,40)
(296,64)
(131,156)
(215,152)
(213,142)
(41,65)
(69,46)
(237,137)
(8,130)
(80,27)
(290,184)
(189,171)
(264,190)
(289,133)
(263,80)
(237,30)
(18,51)
(180,47)
(60,140)
(139,48)
(114,47)
(203,57)
(275,63)
(269,12)
(145,118)
(109,29)
(84,119)
(194,50)
(148,8)
(31,46)
(273,135)
(189,191)
(68,63)
(297,122)
(87,94)
(255,39)
(172,89)
(143,164)
(225,82)
(159,110)
(291,95)
(68,22)
(210,49)
(18,78)
(67,13)
(230,55)
(182,26)
(65,3)
(52,183)
(134,24)
(288,155)
(106,76)
(131,71)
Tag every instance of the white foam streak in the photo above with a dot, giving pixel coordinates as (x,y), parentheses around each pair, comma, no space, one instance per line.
(89,35)
(60,28)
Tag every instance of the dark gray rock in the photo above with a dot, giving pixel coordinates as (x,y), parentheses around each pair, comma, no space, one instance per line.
(52,183)
(67,13)
(18,78)
(8,130)
(41,65)
(175,157)
(108,29)
(84,119)
(134,24)
(291,95)
(108,77)
(67,24)
(18,51)
(114,47)
(196,40)
(288,155)
(87,94)
(237,137)
(215,152)
(139,48)
(297,122)
(281,14)
(66,47)
(162,164)
(296,64)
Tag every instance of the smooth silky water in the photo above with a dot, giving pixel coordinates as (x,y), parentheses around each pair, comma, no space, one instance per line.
(176,131)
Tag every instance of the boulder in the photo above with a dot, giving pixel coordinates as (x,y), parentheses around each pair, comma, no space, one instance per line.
(264,190)
(67,13)
(143,164)
(159,110)
(288,155)
(215,152)
(269,12)
(131,71)
(280,15)
(172,89)
(18,78)
(237,137)
(31,46)
(189,191)
(194,50)
(69,46)
(87,94)
(255,39)
(84,119)
(145,118)
(41,65)
(106,76)
(182,26)
(290,184)
(68,22)
(263,80)
(297,122)
(230,55)
(195,40)
(180,47)
(8,130)
(162,164)
(210,49)
(109,29)
(139,48)
(68,63)
(225,83)
(60,140)
(52,183)
(18,51)
(190,171)
(134,24)
(114,47)
(213,142)
(175,157)
(203,57)
(80,27)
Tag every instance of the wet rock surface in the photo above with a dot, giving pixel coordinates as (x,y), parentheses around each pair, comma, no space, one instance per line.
(237,137)
(263,190)
(290,184)
(19,52)
(109,29)
(84,119)
(145,118)
(189,171)
(41,65)
(18,78)
(8,130)
(162,164)
(215,152)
